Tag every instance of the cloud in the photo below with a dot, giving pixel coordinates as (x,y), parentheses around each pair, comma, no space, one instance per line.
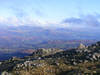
(19,12)
(15,21)
(83,21)
(32,11)
(39,13)
(73,20)
(9,21)
(91,20)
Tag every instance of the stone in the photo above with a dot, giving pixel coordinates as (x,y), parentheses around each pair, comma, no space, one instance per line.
(81,46)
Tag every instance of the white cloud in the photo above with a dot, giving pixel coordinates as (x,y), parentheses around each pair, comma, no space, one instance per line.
(17,22)
(87,22)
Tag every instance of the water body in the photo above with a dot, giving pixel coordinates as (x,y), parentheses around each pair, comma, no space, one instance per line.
(6,56)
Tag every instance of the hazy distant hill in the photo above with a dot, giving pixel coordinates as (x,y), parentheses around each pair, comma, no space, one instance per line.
(27,37)
(22,40)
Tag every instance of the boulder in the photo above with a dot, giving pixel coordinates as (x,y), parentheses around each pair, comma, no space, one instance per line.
(81,46)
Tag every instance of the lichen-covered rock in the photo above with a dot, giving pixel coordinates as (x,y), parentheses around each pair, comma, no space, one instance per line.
(81,46)
(6,73)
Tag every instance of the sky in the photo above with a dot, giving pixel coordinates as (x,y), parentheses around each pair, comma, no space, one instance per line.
(50,12)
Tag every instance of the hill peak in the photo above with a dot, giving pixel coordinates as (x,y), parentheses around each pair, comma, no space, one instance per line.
(81,46)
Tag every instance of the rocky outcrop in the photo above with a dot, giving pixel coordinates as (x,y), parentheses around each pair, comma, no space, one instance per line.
(44,52)
(6,73)
(81,46)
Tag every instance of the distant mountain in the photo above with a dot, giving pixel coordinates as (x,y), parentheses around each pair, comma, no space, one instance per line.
(13,38)
(23,40)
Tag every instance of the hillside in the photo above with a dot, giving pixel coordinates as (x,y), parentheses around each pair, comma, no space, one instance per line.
(81,60)
(13,50)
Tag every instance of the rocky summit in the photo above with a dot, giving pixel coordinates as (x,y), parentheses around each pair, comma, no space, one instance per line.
(77,61)
(81,46)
